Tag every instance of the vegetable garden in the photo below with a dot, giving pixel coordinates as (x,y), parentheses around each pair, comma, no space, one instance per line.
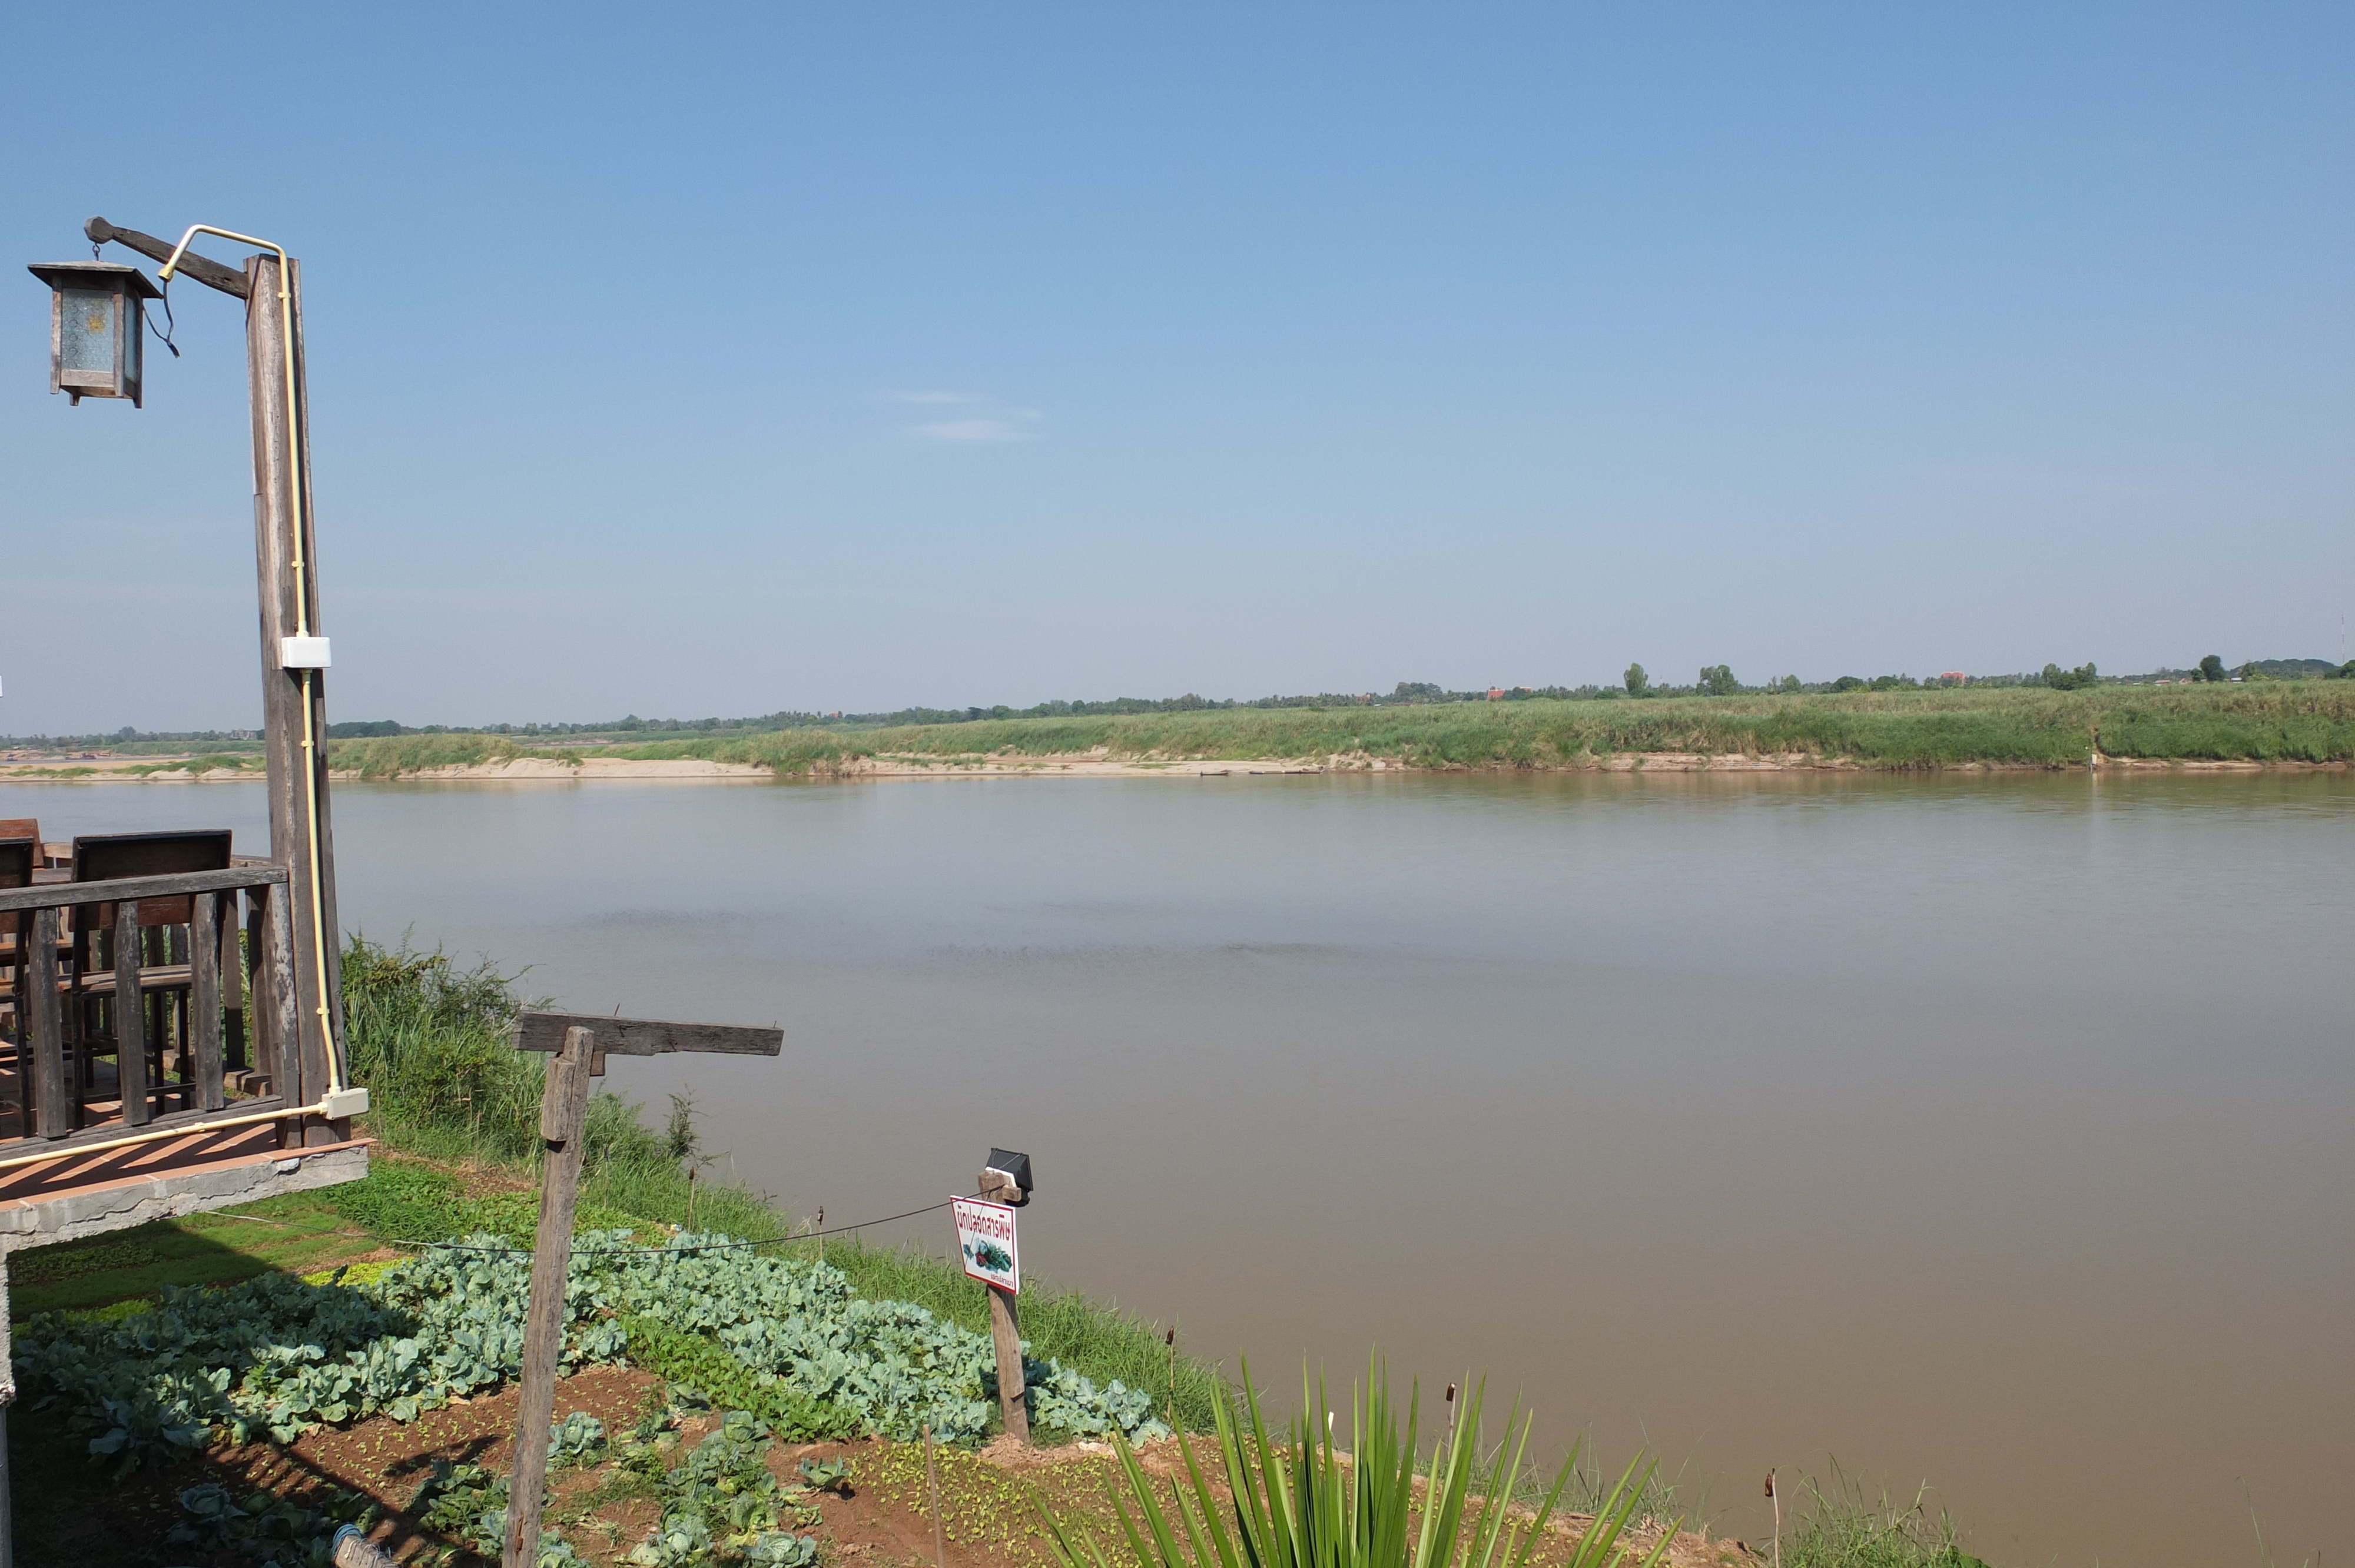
(784,1339)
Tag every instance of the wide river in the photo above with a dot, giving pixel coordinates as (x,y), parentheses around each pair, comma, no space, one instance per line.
(1995,1131)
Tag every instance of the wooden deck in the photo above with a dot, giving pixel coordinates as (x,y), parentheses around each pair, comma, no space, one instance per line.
(112,1026)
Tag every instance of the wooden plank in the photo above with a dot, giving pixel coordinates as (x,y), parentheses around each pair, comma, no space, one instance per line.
(45,1028)
(232,985)
(164,975)
(257,956)
(203,998)
(78,895)
(1013,1390)
(203,270)
(643,1037)
(170,1121)
(563,1113)
(129,1010)
(277,999)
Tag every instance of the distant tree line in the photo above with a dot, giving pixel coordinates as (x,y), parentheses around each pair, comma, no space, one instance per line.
(1713,681)
(128,735)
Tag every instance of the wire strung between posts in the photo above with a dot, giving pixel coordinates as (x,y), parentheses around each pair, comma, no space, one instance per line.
(698,1246)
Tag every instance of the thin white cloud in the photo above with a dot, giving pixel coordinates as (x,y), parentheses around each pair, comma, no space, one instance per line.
(975,430)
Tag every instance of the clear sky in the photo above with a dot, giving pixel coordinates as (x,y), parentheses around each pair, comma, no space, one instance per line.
(714,360)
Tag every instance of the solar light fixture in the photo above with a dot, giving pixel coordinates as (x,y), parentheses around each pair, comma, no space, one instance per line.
(1007,1178)
(98,322)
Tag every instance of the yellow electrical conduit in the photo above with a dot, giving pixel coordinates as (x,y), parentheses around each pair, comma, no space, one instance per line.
(198,1129)
(301,615)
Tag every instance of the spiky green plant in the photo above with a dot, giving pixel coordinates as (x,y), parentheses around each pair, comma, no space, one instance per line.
(1308,1505)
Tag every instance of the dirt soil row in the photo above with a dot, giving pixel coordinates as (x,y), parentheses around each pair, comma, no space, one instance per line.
(987,1514)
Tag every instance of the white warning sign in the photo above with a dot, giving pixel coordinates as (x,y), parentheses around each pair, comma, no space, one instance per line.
(985,1237)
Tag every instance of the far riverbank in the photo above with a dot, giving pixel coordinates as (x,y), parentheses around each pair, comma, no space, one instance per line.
(2283,723)
(537,769)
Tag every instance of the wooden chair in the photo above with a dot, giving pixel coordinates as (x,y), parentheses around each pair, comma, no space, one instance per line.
(165,973)
(18,857)
(28,828)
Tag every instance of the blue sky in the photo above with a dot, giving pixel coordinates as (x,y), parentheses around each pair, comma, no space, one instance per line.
(716,360)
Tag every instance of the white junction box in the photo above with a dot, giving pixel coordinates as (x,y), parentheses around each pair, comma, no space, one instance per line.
(301,653)
(343,1102)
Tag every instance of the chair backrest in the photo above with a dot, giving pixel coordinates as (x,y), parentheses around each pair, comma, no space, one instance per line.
(103,857)
(30,828)
(18,857)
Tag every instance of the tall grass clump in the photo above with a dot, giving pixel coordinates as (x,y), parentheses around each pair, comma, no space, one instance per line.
(390,756)
(1842,1527)
(1303,1504)
(429,1040)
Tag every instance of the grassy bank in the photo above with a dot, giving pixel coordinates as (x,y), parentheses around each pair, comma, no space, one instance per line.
(429,1040)
(455,1117)
(2286,721)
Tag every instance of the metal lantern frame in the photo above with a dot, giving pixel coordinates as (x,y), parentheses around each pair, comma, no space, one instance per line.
(91,300)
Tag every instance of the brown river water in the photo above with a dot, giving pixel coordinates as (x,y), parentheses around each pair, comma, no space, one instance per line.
(1995,1131)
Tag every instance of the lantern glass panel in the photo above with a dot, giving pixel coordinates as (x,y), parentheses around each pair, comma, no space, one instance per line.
(88,341)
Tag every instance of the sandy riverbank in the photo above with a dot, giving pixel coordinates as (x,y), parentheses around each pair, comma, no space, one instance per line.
(1084,765)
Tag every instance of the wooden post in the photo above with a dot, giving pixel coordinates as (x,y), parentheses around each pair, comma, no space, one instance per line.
(296,753)
(130,1018)
(8,1383)
(563,1111)
(232,985)
(933,1497)
(1005,1331)
(204,1000)
(41,1025)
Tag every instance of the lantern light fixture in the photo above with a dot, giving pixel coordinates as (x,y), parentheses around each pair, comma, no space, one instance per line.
(98,324)
(1005,1179)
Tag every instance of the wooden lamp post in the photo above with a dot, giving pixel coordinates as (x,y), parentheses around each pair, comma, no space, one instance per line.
(294,654)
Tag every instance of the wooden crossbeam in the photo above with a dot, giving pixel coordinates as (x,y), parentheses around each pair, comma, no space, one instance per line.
(110,890)
(208,273)
(644,1036)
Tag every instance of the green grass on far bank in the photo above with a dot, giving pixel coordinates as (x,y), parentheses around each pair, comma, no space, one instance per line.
(2273,721)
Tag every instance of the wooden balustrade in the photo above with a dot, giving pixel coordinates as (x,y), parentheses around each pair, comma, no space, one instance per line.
(82,978)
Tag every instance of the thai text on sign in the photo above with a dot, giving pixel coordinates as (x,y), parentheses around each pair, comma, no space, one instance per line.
(985,1238)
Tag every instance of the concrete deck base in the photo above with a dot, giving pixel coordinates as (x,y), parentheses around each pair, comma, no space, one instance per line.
(69,1198)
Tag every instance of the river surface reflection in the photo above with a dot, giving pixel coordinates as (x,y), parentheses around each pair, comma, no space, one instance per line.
(1990,1129)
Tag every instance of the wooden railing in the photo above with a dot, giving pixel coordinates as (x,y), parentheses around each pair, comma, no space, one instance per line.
(85,978)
